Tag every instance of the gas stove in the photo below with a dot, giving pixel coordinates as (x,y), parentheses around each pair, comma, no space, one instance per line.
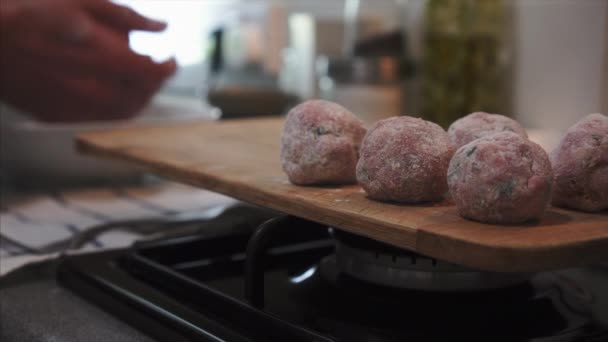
(255,275)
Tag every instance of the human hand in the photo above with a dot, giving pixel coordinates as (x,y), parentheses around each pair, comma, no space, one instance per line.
(69,60)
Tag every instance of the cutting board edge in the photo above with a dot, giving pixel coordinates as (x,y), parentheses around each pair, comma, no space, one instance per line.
(513,258)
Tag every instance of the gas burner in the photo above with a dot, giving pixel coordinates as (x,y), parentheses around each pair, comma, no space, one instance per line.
(325,287)
(381,264)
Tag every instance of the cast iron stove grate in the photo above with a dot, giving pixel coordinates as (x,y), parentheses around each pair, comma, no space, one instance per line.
(195,288)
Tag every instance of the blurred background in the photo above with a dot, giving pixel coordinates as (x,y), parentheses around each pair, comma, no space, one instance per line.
(542,62)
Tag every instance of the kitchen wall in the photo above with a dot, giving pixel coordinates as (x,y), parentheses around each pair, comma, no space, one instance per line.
(562,48)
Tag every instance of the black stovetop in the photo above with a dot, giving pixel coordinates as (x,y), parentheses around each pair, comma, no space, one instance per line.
(194,288)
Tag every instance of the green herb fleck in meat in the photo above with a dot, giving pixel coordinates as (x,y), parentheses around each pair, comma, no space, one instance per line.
(471,151)
(321,130)
(506,189)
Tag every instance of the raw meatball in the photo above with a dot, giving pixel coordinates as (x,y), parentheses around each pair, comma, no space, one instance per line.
(320,143)
(480,124)
(580,164)
(501,178)
(404,159)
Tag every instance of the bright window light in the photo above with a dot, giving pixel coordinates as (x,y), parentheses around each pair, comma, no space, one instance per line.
(187,34)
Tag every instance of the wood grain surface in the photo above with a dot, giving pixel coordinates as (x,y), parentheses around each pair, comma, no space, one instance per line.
(241,159)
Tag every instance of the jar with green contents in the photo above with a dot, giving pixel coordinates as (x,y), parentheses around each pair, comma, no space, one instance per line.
(466,59)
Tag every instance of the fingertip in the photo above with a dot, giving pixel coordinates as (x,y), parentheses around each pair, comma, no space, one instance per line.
(130,19)
(170,66)
(163,70)
(173,61)
(140,22)
(155,25)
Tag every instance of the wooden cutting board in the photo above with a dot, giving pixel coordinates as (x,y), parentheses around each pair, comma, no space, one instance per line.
(241,159)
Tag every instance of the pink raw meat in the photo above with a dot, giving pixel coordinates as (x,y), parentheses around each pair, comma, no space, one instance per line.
(320,143)
(404,159)
(501,178)
(580,164)
(480,124)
